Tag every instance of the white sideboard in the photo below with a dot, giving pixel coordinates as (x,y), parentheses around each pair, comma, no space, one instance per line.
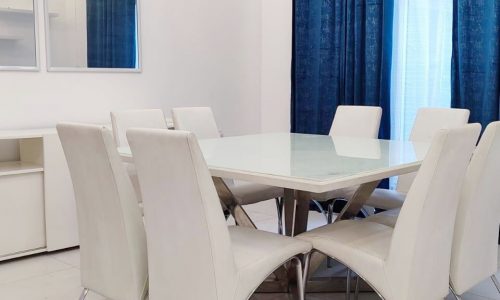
(37,205)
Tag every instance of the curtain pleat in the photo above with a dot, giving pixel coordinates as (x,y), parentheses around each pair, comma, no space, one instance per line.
(476,59)
(341,56)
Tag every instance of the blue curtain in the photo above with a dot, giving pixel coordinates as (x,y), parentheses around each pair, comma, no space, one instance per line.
(111,33)
(476,59)
(341,56)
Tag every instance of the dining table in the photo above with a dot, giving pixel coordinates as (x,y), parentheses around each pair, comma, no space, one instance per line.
(304,165)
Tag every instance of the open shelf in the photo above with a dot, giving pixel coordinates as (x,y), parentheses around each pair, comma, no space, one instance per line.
(18,167)
(6,37)
(18,11)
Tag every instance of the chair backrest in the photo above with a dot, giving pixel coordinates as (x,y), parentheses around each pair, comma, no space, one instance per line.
(135,118)
(112,238)
(427,123)
(419,257)
(198,120)
(475,245)
(356,121)
(189,250)
(430,120)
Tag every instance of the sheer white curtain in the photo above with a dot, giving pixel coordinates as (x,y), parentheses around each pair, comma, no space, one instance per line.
(421,66)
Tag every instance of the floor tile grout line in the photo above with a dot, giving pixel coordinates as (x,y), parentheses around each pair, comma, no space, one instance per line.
(64,262)
(36,276)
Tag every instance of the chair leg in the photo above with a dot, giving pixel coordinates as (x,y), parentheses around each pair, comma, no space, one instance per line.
(279,207)
(300,278)
(364,212)
(356,290)
(348,286)
(329,220)
(320,207)
(457,296)
(84,293)
(307,262)
(495,282)
(329,217)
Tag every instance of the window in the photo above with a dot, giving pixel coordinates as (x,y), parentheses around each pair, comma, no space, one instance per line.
(421,75)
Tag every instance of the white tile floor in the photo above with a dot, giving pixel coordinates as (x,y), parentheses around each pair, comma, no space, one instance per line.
(57,277)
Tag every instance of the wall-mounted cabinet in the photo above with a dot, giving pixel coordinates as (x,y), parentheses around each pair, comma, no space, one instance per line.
(37,206)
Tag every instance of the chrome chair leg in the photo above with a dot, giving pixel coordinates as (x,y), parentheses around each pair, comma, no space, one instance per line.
(331,207)
(452,290)
(300,280)
(279,207)
(84,293)
(356,290)
(320,208)
(364,212)
(329,220)
(495,282)
(348,285)
(307,262)
(329,217)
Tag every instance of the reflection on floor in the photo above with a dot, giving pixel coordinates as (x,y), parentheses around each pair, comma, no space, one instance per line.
(57,277)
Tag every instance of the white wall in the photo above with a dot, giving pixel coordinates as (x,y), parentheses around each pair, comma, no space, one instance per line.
(276,65)
(195,52)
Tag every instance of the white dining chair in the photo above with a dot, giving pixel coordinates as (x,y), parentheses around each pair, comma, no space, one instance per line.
(201,122)
(121,121)
(427,123)
(349,121)
(412,260)
(192,253)
(475,245)
(356,121)
(113,251)
(478,217)
(135,118)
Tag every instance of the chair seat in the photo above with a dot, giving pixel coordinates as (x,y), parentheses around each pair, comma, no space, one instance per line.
(380,198)
(257,254)
(386,199)
(250,193)
(344,193)
(388,217)
(362,246)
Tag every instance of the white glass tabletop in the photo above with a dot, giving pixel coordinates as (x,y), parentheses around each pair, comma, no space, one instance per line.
(313,163)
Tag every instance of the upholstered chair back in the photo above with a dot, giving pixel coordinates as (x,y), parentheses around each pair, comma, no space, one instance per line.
(136,118)
(430,120)
(475,248)
(189,249)
(356,121)
(112,238)
(427,123)
(198,120)
(420,252)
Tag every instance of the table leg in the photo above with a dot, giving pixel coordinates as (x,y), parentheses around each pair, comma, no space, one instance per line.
(229,202)
(355,204)
(296,211)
